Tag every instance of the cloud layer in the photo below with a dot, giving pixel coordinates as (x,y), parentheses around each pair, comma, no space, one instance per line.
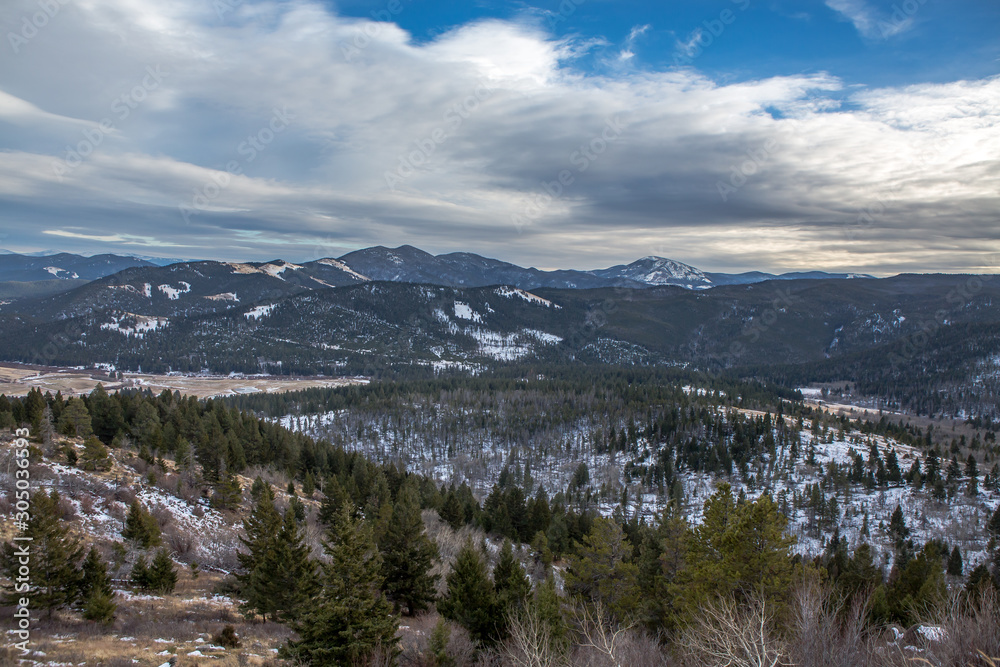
(267,129)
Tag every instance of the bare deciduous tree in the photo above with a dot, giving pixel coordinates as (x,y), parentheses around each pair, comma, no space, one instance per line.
(733,635)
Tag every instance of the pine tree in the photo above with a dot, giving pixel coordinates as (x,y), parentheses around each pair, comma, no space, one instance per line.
(94,576)
(288,573)
(140,527)
(470,600)
(897,528)
(54,577)
(511,586)
(602,572)
(955,562)
(349,620)
(139,576)
(95,455)
(738,549)
(162,573)
(994,524)
(227,495)
(408,555)
(261,527)
(451,511)
(75,419)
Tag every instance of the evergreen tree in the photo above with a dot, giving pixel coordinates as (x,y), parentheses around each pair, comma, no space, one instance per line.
(54,576)
(739,548)
(140,527)
(897,528)
(75,419)
(95,455)
(261,527)
(227,495)
(511,586)
(289,574)
(94,576)
(994,524)
(955,562)
(451,511)
(408,555)
(349,620)
(139,576)
(162,573)
(470,600)
(602,572)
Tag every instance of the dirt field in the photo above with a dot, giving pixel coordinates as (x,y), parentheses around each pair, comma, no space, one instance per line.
(17,380)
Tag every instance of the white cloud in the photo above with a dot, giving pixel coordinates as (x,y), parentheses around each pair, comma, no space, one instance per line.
(365,101)
(872,23)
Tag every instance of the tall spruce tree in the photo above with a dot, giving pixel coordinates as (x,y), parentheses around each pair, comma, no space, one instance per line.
(349,620)
(511,586)
(288,573)
(256,582)
(470,600)
(408,555)
(54,555)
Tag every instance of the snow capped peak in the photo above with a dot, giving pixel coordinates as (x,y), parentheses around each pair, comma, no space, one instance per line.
(653,270)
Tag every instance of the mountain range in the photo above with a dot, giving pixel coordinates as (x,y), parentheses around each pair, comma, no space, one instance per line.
(409,264)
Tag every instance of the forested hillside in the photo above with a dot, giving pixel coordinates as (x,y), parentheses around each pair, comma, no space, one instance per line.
(167,489)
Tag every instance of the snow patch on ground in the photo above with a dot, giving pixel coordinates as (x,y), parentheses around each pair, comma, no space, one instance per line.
(131,324)
(509,292)
(225,296)
(337,264)
(175,293)
(259,312)
(464,312)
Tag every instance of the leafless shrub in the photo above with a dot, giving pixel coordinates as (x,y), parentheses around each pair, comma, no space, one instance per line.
(530,643)
(67,511)
(726,633)
(180,541)
(87,504)
(164,517)
(602,641)
(971,631)
(125,494)
(825,633)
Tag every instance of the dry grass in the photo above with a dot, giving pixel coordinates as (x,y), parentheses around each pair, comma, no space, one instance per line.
(144,629)
(17,380)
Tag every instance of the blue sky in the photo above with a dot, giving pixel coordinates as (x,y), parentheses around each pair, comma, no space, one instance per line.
(854,135)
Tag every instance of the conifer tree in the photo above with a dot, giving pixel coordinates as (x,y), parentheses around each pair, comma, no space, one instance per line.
(602,572)
(349,620)
(738,549)
(288,574)
(94,576)
(470,600)
(955,562)
(54,576)
(451,511)
(511,586)
(95,455)
(408,555)
(139,576)
(141,527)
(260,527)
(162,573)
(75,419)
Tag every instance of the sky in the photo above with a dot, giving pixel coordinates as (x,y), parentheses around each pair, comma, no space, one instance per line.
(732,135)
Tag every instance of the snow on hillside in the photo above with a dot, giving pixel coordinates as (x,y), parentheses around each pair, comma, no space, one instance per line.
(130,324)
(961,520)
(464,312)
(225,296)
(174,293)
(508,292)
(337,264)
(258,312)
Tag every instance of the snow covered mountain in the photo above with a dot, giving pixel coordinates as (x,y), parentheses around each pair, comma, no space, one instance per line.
(656,271)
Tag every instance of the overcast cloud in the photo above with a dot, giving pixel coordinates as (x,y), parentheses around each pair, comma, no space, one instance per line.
(343,133)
